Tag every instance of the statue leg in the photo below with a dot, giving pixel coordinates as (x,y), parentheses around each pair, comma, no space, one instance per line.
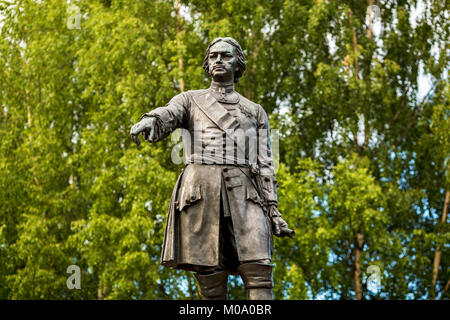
(213,280)
(213,285)
(257,277)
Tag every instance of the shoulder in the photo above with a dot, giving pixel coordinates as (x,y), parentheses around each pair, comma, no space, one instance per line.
(185,97)
(248,102)
(256,108)
(196,93)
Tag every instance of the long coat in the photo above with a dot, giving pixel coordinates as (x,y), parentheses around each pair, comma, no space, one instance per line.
(217,170)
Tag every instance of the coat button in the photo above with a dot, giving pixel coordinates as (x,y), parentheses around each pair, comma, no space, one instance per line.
(266,179)
(229,188)
(225,170)
(227,179)
(192,197)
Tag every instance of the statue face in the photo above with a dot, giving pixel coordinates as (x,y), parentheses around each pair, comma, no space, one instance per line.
(222,62)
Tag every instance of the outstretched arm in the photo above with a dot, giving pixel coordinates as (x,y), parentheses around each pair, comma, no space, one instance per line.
(160,122)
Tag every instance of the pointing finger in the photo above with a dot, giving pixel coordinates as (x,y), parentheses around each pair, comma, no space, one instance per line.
(151,134)
(135,138)
(145,134)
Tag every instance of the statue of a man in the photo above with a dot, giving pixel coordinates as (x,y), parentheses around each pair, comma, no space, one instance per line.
(223,210)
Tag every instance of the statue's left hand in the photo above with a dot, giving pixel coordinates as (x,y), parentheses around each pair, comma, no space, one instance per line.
(279,226)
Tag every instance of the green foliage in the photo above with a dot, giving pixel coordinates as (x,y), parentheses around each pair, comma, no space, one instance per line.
(361,151)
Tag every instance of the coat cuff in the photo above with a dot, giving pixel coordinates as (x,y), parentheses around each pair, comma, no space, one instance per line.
(269,183)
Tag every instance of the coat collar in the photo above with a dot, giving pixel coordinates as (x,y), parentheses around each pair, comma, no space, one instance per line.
(224,94)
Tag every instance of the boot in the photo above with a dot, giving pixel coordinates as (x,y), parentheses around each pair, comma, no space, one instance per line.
(257,279)
(213,286)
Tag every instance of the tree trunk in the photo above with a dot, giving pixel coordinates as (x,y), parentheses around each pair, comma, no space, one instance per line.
(27,92)
(180,53)
(355,45)
(369,29)
(438,253)
(100,293)
(359,243)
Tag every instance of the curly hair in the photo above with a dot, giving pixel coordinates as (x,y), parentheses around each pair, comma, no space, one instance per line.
(241,65)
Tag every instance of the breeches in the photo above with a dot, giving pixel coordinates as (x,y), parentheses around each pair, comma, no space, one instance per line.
(228,256)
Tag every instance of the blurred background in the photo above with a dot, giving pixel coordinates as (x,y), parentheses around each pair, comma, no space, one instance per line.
(358,91)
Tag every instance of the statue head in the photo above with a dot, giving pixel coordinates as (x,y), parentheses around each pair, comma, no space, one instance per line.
(224,55)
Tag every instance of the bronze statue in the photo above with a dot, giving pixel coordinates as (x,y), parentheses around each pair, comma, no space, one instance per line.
(223,210)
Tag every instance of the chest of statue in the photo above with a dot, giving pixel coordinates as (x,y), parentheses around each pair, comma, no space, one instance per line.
(220,132)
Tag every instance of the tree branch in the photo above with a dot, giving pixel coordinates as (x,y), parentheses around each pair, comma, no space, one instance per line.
(416,113)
